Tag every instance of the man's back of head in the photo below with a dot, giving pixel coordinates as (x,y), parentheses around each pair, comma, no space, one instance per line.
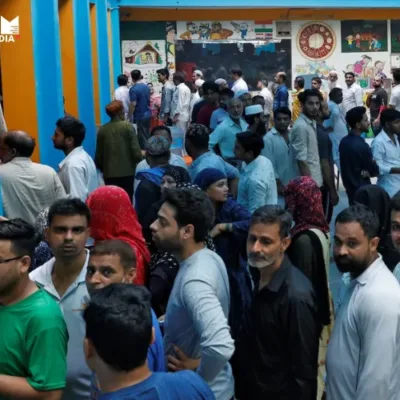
(16,144)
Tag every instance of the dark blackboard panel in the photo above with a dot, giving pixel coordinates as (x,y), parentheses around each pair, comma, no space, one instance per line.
(139,30)
(216,59)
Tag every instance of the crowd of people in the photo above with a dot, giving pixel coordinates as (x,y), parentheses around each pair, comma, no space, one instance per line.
(141,274)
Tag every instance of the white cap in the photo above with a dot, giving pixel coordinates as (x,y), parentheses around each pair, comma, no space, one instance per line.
(254,110)
(198,72)
(199,82)
(220,81)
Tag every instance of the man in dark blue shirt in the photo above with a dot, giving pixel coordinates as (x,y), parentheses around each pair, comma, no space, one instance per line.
(357,163)
(281,98)
(139,96)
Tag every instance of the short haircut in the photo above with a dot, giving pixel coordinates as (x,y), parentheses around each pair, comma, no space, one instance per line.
(136,75)
(117,318)
(198,135)
(317,79)
(264,81)
(389,115)
(303,96)
(395,202)
(355,115)
(258,99)
(273,214)
(68,207)
(300,81)
(251,142)
(236,71)
(192,207)
(114,108)
(283,110)
(116,247)
(163,72)
(334,92)
(396,74)
(283,76)
(122,80)
(21,235)
(73,128)
(160,128)
(350,73)
(23,144)
(210,85)
(227,92)
(362,215)
(179,77)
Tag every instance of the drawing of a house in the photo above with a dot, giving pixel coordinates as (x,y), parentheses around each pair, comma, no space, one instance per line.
(148,54)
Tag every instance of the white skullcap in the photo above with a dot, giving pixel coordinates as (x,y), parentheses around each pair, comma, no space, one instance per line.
(199,82)
(198,72)
(220,81)
(253,110)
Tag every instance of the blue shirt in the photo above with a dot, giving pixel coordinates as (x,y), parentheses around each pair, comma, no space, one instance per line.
(183,385)
(281,98)
(257,184)
(225,136)
(387,156)
(211,160)
(141,94)
(217,117)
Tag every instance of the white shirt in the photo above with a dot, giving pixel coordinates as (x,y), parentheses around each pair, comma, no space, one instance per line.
(396,272)
(352,97)
(122,94)
(181,102)
(363,360)
(78,174)
(395,98)
(71,304)
(194,98)
(240,84)
(269,100)
(387,156)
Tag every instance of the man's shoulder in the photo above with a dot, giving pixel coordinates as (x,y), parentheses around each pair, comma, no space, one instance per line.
(299,287)
(42,273)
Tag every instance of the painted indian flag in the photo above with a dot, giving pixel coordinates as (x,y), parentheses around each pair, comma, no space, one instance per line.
(263,29)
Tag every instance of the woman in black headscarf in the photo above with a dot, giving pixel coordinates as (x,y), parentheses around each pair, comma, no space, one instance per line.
(376,199)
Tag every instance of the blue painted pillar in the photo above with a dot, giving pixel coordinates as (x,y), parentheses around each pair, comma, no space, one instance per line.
(83,56)
(48,80)
(116,41)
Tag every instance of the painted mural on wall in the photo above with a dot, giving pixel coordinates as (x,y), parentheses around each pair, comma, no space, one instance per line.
(145,55)
(363,36)
(395,35)
(170,29)
(316,40)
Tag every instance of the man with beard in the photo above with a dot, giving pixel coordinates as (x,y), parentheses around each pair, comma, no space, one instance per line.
(196,330)
(221,113)
(277,355)
(375,100)
(363,360)
(254,116)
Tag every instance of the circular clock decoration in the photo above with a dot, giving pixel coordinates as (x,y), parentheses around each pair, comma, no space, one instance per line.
(316,40)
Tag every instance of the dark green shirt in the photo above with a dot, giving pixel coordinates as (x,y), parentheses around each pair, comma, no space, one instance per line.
(117,151)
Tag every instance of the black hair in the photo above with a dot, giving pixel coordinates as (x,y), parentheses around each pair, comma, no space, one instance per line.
(334,92)
(73,128)
(118,318)
(355,115)
(258,99)
(161,128)
(283,110)
(273,214)
(198,135)
(317,79)
(264,81)
(251,142)
(350,73)
(192,207)
(23,144)
(389,115)
(21,235)
(179,77)
(68,207)
(395,202)
(116,247)
(236,71)
(362,215)
(396,74)
(122,80)
(163,72)
(227,92)
(303,96)
(210,85)
(136,75)
(300,81)
(283,76)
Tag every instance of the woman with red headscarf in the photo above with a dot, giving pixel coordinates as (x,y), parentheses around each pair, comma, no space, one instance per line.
(113,217)
(310,252)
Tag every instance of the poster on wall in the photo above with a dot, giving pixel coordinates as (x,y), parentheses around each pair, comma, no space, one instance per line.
(216,30)
(395,35)
(170,28)
(145,55)
(364,36)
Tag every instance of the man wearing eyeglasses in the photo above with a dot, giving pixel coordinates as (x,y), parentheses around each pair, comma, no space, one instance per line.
(33,334)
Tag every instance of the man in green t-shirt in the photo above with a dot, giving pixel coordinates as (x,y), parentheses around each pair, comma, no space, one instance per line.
(33,334)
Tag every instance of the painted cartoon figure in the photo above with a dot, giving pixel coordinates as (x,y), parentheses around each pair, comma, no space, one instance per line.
(219,33)
(191,30)
(379,67)
(375,44)
(204,31)
(243,28)
(350,40)
(358,41)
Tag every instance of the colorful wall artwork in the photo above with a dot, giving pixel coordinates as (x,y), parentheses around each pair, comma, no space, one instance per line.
(395,35)
(145,55)
(363,36)
(170,29)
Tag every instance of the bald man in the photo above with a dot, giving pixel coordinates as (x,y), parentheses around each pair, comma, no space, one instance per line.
(282,94)
(26,187)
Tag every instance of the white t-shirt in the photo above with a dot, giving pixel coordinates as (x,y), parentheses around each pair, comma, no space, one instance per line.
(269,100)
(395,98)
(240,84)
(122,94)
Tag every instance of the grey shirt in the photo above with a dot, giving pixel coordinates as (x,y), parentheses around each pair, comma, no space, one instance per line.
(197,319)
(363,360)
